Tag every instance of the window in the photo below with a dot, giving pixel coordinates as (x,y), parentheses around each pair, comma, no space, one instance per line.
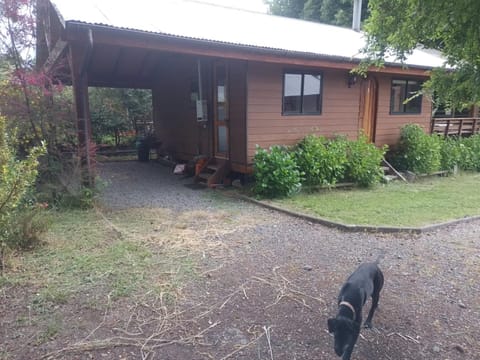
(403,90)
(302,93)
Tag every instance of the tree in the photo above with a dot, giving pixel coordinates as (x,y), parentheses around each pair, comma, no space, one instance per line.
(334,12)
(117,110)
(288,8)
(399,26)
(31,101)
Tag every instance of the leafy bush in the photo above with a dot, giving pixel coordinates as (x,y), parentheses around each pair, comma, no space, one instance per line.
(470,153)
(276,172)
(16,178)
(450,152)
(364,162)
(30,222)
(322,161)
(419,152)
(80,198)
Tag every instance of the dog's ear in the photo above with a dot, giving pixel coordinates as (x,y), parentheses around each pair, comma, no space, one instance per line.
(332,324)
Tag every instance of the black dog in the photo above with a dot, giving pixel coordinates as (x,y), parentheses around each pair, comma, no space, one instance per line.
(366,281)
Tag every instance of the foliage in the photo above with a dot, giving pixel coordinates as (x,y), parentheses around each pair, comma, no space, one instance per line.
(30,222)
(276,172)
(38,107)
(418,152)
(397,27)
(17,31)
(334,12)
(115,112)
(470,153)
(16,178)
(364,160)
(288,8)
(322,161)
(450,152)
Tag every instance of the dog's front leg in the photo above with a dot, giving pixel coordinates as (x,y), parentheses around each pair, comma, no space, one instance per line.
(368,322)
(348,351)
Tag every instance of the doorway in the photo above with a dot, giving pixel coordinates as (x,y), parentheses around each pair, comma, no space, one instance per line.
(369,104)
(221,110)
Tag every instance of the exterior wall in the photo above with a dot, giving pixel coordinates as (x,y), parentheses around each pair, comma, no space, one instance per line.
(388,126)
(175,113)
(237,114)
(267,126)
(255,109)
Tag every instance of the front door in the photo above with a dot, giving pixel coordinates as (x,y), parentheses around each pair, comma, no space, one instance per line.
(220,105)
(369,105)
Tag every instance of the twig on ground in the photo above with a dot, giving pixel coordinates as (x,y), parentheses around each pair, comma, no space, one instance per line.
(109,302)
(413,339)
(211,270)
(267,335)
(242,347)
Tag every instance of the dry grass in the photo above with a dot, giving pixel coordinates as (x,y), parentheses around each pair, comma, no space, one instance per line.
(139,259)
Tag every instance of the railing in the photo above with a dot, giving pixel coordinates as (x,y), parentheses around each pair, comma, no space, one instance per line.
(455,126)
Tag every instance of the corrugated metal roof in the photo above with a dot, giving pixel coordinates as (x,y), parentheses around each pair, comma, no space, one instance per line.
(191,19)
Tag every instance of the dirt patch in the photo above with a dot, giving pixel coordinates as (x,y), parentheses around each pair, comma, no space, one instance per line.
(262,286)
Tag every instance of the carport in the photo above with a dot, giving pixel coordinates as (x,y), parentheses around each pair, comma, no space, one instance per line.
(188,80)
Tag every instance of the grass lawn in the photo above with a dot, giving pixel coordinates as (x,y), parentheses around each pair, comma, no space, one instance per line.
(110,255)
(427,201)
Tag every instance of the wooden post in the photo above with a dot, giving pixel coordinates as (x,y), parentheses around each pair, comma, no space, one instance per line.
(79,58)
(447,125)
(475,111)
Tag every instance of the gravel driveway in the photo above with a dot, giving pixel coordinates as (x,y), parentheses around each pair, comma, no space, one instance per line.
(149,184)
(270,290)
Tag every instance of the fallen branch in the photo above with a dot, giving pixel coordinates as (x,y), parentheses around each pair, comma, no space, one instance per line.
(242,347)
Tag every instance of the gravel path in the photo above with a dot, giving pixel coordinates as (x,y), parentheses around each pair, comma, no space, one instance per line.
(278,279)
(149,184)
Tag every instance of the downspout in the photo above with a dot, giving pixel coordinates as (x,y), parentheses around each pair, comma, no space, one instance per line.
(200,87)
(200,98)
(86,110)
(357,15)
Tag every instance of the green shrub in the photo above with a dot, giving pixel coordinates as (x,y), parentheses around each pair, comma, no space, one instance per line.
(30,222)
(322,161)
(470,153)
(450,153)
(17,177)
(276,172)
(364,162)
(418,152)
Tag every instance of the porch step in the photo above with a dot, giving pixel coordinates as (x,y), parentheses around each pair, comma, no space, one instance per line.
(390,173)
(213,172)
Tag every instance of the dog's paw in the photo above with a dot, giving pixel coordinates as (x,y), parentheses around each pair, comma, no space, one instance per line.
(367,325)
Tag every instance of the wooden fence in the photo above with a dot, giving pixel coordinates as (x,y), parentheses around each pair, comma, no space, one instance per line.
(455,126)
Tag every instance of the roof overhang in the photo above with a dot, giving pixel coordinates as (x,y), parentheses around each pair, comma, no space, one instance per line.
(126,57)
(134,40)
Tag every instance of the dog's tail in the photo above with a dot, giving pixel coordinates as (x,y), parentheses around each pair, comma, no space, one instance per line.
(380,257)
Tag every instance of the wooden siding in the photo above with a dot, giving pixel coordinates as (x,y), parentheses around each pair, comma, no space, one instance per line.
(267,126)
(238,117)
(388,126)
(174,112)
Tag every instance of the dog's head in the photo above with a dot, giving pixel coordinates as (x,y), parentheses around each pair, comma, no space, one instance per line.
(345,332)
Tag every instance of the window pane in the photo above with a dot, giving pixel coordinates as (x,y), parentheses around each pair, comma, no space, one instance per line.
(221,113)
(311,93)
(292,93)
(397,96)
(415,104)
(222,144)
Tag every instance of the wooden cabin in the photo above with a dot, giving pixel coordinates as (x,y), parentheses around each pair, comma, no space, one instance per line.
(224,80)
